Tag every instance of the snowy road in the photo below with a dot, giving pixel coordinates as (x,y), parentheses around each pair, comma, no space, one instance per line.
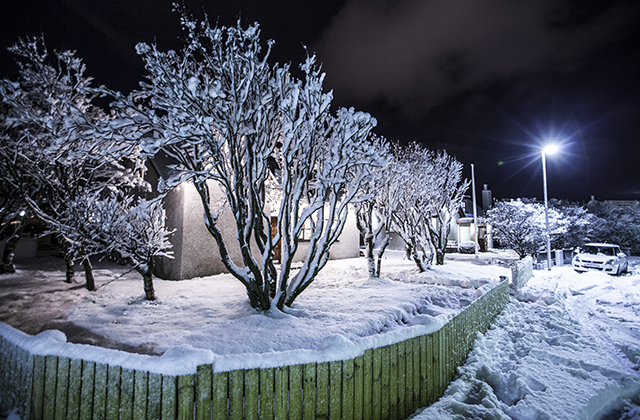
(567,348)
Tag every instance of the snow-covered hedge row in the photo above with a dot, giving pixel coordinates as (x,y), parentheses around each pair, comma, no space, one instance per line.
(46,377)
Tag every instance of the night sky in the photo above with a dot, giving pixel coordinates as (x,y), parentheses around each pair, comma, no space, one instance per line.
(490,81)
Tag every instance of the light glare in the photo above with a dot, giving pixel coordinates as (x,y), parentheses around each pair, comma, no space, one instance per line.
(550,149)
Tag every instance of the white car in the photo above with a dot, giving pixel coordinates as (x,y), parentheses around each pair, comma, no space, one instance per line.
(604,257)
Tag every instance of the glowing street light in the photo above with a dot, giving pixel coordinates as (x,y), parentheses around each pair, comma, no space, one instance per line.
(549,150)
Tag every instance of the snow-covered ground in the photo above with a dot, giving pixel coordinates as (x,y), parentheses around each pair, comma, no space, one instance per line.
(567,348)
(213,312)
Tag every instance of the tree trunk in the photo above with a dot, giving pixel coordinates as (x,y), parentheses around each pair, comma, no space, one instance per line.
(88,274)
(383,247)
(369,243)
(8,255)
(147,278)
(439,257)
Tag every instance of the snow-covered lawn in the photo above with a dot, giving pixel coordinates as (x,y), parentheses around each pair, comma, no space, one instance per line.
(567,348)
(213,312)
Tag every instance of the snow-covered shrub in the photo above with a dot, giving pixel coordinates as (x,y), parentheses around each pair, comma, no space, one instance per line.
(520,225)
(467,247)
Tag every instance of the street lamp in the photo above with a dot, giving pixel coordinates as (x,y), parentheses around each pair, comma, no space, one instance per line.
(549,150)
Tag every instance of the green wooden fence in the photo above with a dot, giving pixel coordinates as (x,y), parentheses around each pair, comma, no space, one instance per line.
(388,382)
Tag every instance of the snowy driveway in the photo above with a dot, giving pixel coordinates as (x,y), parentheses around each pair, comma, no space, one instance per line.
(567,348)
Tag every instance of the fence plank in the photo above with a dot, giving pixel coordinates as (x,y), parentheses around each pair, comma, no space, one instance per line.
(322,377)
(28,383)
(405,364)
(75,389)
(335,390)
(295,392)
(126,394)
(100,392)
(236,394)
(442,340)
(113,391)
(220,395)
(415,380)
(432,368)
(267,378)
(347,389)
(251,394)
(358,387)
(281,394)
(309,391)
(377,384)
(38,386)
(62,388)
(11,378)
(186,396)
(367,385)
(204,392)
(424,379)
(140,394)
(86,393)
(51,373)
(393,381)
(4,371)
(169,397)
(154,404)
(385,382)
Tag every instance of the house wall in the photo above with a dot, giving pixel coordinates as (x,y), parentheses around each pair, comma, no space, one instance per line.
(196,251)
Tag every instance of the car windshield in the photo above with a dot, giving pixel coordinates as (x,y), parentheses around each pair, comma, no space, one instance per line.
(595,250)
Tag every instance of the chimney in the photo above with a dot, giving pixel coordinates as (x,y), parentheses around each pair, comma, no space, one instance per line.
(487,200)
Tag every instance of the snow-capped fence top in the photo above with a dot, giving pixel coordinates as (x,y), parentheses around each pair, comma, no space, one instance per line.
(392,374)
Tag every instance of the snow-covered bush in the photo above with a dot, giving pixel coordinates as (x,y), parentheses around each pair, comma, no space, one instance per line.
(616,223)
(520,225)
(467,247)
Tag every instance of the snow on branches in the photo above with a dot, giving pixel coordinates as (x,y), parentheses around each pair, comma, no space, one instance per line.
(228,120)
(431,189)
(56,160)
(521,226)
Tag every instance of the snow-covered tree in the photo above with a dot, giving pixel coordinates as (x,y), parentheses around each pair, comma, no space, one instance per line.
(49,153)
(520,225)
(379,196)
(616,223)
(446,190)
(580,224)
(132,228)
(413,213)
(230,121)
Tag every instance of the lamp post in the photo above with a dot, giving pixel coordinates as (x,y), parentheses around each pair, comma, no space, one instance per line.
(475,215)
(549,150)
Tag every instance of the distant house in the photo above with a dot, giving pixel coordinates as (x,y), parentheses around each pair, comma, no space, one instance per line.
(196,251)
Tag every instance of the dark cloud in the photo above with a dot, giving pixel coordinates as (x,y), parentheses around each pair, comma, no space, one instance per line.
(415,54)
